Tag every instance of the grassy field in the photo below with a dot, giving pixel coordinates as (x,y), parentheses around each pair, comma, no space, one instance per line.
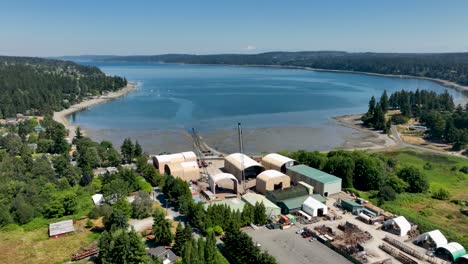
(20,246)
(442,172)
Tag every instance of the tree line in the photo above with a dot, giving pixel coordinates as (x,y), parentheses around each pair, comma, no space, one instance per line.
(446,66)
(445,121)
(37,86)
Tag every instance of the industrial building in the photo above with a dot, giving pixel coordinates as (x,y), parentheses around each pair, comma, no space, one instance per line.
(277,162)
(160,161)
(324,183)
(61,228)
(314,207)
(270,180)
(272,210)
(351,206)
(399,225)
(188,171)
(214,179)
(234,204)
(290,199)
(237,163)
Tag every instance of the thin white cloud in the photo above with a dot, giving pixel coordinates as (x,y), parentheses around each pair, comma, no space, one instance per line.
(249,48)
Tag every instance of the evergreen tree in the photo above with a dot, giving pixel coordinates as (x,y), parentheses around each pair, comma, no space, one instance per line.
(138,151)
(371,105)
(210,249)
(127,151)
(384,101)
(161,229)
(120,246)
(260,214)
(180,239)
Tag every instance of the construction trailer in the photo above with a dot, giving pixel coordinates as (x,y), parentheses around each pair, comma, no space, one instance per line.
(324,183)
(241,165)
(277,162)
(270,180)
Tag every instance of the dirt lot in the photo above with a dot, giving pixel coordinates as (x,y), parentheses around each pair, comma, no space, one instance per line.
(288,247)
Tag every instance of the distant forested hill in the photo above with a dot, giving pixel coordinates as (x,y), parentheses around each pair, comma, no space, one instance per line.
(44,85)
(446,66)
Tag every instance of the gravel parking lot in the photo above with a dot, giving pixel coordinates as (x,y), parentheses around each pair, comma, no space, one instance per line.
(288,247)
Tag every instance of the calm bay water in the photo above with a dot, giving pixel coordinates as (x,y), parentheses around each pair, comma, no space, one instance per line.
(280,109)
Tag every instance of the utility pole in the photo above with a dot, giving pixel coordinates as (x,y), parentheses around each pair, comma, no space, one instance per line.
(241,151)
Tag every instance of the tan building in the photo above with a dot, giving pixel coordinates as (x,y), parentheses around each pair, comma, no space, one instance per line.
(237,162)
(160,161)
(184,170)
(277,162)
(270,180)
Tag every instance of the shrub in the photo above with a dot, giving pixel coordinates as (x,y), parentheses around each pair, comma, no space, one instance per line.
(441,194)
(450,216)
(426,212)
(428,166)
(464,169)
(400,119)
(218,230)
(89,223)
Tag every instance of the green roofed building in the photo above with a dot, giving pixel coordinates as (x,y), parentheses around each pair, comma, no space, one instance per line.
(292,204)
(271,209)
(234,204)
(290,199)
(324,184)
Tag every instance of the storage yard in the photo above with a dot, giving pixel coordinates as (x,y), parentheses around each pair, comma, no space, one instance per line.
(288,247)
(311,220)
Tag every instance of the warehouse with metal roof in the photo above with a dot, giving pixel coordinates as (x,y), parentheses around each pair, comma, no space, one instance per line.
(185,170)
(270,180)
(214,179)
(277,162)
(324,183)
(271,209)
(160,161)
(292,204)
(237,163)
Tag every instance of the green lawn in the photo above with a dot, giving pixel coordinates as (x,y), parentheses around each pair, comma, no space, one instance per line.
(442,171)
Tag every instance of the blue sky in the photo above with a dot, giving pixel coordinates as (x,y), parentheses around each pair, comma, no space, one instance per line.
(54,28)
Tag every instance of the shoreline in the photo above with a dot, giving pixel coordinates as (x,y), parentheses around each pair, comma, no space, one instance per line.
(62,115)
(352,121)
(445,83)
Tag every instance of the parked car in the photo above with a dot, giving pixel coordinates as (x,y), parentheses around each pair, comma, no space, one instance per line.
(300,231)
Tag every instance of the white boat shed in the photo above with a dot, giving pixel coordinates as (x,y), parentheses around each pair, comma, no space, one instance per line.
(314,207)
(399,224)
